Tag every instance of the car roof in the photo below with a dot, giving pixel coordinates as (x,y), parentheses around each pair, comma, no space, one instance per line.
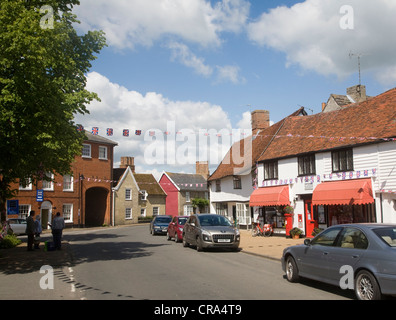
(371,225)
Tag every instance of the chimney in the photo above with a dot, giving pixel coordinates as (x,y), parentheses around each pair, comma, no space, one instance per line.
(357,93)
(128,162)
(260,120)
(202,168)
(324,104)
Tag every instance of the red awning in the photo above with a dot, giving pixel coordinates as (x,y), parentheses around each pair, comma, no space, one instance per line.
(345,192)
(270,196)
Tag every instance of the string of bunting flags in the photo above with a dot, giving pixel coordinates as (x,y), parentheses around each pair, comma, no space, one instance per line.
(128,133)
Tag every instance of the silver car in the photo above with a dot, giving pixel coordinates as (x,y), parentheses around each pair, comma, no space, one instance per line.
(210,231)
(17,225)
(353,256)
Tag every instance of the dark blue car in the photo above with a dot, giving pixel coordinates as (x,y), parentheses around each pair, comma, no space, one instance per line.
(159,225)
(357,256)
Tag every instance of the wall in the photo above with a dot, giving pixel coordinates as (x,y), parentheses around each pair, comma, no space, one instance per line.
(172,195)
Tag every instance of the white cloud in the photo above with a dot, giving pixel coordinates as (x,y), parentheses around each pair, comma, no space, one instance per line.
(310,35)
(229,73)
(183,54)
(121,109)
(142,22)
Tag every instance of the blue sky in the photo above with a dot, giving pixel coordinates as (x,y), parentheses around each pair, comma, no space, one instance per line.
(192,65)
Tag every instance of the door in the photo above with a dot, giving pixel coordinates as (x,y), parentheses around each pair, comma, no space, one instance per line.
(310,222)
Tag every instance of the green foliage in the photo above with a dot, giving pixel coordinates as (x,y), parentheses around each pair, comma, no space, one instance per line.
(42,87)
(200,203)
(295,231)
(9,241)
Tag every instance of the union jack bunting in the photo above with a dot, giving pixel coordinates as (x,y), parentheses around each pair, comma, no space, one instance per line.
(138,132)
(80,128)
(109,131)
(152,133)
(95,131)
(125,133)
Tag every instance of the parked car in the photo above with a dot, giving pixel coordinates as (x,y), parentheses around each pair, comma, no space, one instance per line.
(175,228)
(17,225)
(159,225)
(210,231)
(367,250)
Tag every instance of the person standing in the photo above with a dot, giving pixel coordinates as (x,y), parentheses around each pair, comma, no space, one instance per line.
(57,226)
(37,233)
(30,230)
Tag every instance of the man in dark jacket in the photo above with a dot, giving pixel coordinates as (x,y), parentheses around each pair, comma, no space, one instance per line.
(30,230)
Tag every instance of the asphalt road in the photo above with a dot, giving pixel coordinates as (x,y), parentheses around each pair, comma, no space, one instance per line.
(129,263)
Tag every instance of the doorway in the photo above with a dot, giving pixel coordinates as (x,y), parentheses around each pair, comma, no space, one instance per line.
(310,222)
(46,214)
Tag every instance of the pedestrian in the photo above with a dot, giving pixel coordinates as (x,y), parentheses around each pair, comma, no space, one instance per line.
(30,230)
(38,230)
(57,227)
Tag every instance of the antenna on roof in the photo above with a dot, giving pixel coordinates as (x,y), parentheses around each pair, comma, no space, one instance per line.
(358,55)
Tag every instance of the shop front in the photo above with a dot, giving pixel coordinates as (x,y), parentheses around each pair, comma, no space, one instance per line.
(340,202)
(269,204)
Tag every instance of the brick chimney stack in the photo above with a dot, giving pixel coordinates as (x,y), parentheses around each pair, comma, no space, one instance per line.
(202,168)
(260,120)
(128,162)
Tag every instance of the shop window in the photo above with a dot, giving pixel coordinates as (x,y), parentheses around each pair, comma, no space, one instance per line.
(342,160)
(271,170)
(306,165)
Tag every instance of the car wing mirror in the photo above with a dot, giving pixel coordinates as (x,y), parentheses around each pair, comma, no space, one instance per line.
(307,242)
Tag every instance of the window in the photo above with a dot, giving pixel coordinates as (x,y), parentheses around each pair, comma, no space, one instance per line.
(25,184)
(143,212)
(155,211)
(24,210)
(188,210)
(188,197)
(327,238)
(271,170)
(306,165)
(102,153)
(342,160)
(48,183)
(237,182)
(353,238)
(143,195)
(67,212)
(128,194)
(128,213)
(86,151)
(218,185)
(67,183)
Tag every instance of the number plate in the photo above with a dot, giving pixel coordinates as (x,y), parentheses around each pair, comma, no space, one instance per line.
(223,240)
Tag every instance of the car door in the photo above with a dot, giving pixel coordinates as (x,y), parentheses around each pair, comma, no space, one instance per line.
(350,248)
(313,259)
(189,229)
(172,227)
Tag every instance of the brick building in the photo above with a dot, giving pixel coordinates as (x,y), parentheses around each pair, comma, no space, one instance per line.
(83,197)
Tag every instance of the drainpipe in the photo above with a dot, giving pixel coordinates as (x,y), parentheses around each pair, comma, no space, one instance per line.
(113,208)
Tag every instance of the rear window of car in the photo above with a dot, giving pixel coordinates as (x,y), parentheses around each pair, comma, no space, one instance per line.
(182,221)
(388,235)
(163,219)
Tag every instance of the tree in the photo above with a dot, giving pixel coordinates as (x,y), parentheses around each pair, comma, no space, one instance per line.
(43,62)
(200,203)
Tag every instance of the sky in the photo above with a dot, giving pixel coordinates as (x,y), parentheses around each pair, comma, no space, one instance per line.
(188,73)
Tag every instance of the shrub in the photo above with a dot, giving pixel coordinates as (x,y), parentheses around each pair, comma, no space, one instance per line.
(9,241)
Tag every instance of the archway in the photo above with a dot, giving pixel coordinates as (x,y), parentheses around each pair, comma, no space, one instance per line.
(46,214)
(95,206)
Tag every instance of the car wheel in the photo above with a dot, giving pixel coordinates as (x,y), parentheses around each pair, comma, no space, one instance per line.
(185,243)
(199,244)
(176,237)
(366,286)
(291,270)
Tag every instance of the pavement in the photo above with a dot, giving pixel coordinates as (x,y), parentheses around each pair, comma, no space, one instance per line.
(19,260)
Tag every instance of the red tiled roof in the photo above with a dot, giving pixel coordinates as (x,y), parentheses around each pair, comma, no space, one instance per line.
(255,147)
(361,123)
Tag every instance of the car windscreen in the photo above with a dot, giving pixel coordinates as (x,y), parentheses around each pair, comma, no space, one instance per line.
(387,234)
(214,220)
(182,221)
(163,220)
